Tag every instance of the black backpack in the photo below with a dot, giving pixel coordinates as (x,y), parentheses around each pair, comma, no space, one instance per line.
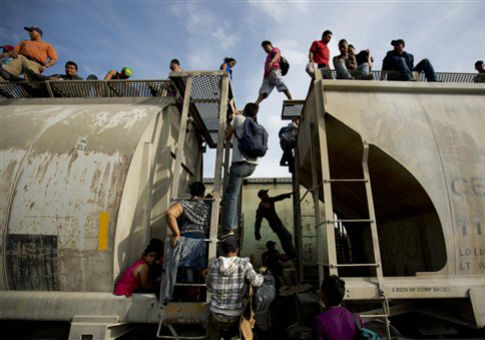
(284,65)
(254,140)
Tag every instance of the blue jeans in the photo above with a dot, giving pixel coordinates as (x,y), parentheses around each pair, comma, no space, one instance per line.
(237,173)
(188,252)
(361,71)
(423,66)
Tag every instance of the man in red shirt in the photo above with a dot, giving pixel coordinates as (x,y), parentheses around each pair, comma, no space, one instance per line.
(31,56)
(320,54)
(272,73)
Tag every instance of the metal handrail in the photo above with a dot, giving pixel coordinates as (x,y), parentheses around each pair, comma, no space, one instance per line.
(86,88)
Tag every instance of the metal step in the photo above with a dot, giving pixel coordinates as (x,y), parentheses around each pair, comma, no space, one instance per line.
(351,180)
(190,284)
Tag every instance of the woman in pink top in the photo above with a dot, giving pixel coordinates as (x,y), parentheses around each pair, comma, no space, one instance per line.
(138,277)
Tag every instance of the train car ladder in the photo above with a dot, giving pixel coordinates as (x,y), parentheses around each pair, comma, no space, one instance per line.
(193,312)
(329,223)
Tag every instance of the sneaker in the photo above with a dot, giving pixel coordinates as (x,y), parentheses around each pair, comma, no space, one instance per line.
(367,77)
(226,234)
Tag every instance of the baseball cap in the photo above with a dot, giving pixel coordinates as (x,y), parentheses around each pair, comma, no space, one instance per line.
(7,47)
(262,193)
(398,41)
(127,71)
(33,28)
(270,243)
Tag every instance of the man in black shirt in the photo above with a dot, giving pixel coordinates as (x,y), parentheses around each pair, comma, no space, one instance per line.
(403,62)
(266,209)
(71,73)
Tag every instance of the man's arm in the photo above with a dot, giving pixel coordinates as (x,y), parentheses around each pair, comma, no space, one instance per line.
(257,224)
(230,128)
(109,75)
(410,60)
(52,54)
(255,279)
(17,49)
(352,62)
(174,212)
(281,197)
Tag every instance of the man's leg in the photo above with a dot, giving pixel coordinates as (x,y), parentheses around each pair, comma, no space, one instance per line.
(264,90)
(170,266)
(403,69)
(237,173)
(214,329)
(426,67)
(342,71)
(14,68)
(276,79)
(363,72)
(286,241)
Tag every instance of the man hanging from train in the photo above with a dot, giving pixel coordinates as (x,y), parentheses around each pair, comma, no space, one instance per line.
(266,209)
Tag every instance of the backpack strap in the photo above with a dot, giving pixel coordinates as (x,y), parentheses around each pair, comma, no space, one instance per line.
(356,321)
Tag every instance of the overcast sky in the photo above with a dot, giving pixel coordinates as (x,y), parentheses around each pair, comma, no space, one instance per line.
(145,35)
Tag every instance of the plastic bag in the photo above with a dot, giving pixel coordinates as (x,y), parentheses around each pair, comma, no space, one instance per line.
(311,67)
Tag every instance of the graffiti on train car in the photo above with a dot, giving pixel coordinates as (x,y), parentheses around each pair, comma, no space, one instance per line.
(32,262)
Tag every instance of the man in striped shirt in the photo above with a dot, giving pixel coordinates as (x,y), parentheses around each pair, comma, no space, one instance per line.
(226,281)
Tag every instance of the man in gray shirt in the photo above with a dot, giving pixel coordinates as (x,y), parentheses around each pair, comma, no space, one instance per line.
(241,167)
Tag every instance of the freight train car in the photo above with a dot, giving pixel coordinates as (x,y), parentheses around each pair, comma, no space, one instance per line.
(402,167)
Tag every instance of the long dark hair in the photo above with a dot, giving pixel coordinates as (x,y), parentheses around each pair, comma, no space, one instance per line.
(155,246)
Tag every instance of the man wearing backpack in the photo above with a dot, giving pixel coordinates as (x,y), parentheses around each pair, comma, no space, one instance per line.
(247,148)
(272,73)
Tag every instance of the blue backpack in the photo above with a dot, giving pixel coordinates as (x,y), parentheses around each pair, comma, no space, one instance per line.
(254,140)
(363,333)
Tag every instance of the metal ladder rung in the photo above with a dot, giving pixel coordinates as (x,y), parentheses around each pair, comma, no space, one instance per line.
(190,284)
(370,316)
(345,180)
(344,265)
(349,221)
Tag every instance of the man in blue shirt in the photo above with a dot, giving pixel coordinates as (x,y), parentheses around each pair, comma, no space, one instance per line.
(403,62)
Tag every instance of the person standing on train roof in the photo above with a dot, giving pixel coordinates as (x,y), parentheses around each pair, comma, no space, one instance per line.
(320,53)
(272,73)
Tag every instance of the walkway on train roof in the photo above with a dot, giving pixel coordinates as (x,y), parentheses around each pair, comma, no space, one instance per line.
(204,104)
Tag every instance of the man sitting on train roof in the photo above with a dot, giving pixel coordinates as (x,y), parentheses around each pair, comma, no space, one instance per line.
(125,73)
(139,278)
(34,55)
(480,67)
(189,222)
(402,62)
(71,72)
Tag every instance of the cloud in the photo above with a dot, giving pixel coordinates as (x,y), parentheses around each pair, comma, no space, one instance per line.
(208,35)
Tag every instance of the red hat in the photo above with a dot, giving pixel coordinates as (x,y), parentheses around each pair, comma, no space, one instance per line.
(7,47)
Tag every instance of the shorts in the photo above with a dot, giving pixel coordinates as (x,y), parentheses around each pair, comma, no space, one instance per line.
(273,79)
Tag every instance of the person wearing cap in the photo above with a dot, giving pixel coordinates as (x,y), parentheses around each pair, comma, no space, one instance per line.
(71,72)
(5,57)
(31,56)
(226,280)
(400,61)
(126,72)
(480,77)
(266,209)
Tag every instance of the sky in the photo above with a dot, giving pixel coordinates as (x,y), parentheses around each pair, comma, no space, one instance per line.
(146,35)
